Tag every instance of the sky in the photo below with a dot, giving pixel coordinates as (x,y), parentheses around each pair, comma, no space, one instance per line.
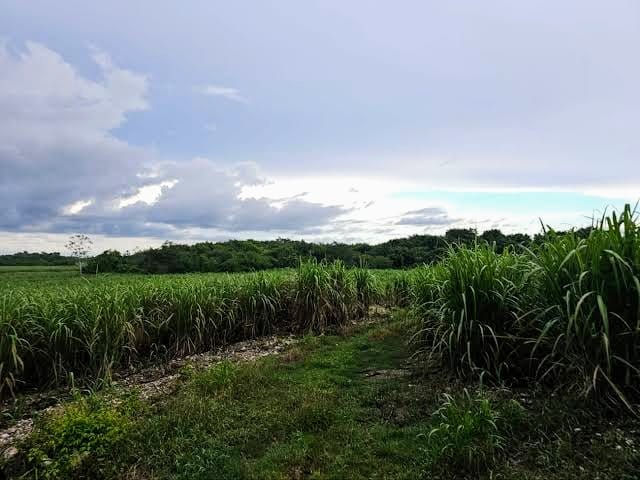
(140,122)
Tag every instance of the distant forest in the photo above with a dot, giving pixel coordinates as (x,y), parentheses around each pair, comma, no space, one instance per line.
(249,255)
(23,259)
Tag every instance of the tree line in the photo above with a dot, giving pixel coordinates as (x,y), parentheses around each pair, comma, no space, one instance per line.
(251,255)
(38,259)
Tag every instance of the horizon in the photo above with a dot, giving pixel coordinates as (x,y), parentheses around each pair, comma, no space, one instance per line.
(96,251)
(320,121)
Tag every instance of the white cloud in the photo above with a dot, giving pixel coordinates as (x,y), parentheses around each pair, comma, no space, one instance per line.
(64,170)
(56,144)
(625,192)
(148,194)
(41,93)
(76,207)
(225,92)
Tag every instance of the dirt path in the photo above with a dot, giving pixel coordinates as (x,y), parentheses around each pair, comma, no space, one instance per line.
(151,382)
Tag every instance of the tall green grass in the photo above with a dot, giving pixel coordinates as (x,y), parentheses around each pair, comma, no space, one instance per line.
(471,306)
(90,329)
(588,293)
(367,290)
(398,289)
(324,295)
(565,312)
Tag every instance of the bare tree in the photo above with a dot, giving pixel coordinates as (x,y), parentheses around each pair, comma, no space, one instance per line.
(79,246)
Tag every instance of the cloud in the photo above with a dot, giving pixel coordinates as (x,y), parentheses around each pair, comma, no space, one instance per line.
(225,92)
(39,89)
(207,195)
(202,195)
(64,170)
(65,165)
(56,145)
(294,215)
(430,216)
(77,207)
(148,194)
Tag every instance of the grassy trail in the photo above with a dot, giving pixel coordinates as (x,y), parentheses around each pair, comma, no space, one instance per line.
(330,407)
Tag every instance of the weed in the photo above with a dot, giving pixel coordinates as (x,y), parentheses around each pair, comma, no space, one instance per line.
(466,433)
(84,440)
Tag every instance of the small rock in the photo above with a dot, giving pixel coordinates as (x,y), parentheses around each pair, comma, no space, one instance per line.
(9,453)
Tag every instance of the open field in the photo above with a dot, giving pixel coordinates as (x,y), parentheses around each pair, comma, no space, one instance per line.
(538,353)
(37,268)
(17,276)
(65,278)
